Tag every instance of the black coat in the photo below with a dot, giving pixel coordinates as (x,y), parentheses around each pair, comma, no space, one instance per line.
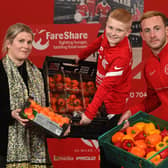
(5,113)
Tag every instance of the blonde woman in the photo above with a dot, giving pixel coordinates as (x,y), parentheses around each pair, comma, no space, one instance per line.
(26,146)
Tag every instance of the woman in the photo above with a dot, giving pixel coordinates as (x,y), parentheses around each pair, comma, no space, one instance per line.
(26,146)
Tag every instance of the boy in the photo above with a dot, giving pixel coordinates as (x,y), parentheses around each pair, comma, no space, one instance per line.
(113,67)
(113,78)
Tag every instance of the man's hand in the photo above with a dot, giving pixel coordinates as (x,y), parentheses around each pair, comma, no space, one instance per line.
(15,114)
(125,116)
(85,120)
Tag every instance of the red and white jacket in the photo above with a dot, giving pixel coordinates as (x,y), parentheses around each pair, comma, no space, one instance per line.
(102,11)
(83,10)
(156,76)
(113,77)
(91,6)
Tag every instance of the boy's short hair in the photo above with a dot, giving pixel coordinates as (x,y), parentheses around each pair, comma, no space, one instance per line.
(121,15)
(149,14)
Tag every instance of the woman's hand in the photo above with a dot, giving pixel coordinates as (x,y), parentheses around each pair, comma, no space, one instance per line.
(15,115)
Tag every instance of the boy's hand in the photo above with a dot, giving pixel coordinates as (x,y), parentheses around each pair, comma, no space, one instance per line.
(77,59)
(85,120)
(67,131)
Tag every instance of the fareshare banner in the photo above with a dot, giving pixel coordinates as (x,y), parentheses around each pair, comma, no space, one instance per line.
(74,153)
(63,39)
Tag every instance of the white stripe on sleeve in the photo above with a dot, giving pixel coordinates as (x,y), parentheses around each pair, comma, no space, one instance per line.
(117,73)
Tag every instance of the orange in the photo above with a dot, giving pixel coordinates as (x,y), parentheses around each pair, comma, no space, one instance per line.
(155,159)
(140,152)
(117,136)
(140,143)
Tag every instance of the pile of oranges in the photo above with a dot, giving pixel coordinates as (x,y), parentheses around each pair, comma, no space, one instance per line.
(69,92)
(47,111)
(143,140)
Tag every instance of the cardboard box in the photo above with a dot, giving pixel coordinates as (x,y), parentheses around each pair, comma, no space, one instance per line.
(45,118)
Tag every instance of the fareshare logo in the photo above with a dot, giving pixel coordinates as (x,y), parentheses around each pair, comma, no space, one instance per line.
(91,143)
(40,45)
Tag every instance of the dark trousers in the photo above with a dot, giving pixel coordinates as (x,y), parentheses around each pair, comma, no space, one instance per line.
(93,131)
(2,161)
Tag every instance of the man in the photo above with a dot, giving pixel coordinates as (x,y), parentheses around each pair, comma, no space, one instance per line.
(154,33)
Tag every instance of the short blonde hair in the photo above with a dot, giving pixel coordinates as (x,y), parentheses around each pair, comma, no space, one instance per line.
(150,14)
(121,15)
(12,32)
